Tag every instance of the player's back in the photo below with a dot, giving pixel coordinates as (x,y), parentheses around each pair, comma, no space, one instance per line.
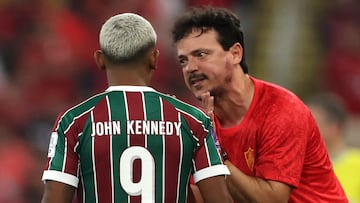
(134,145)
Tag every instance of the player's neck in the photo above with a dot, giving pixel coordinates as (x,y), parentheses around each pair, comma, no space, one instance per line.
(232,106)
(128,76)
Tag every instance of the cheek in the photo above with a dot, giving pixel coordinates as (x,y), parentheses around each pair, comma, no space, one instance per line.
(183,72)
(185,76)
(228,78)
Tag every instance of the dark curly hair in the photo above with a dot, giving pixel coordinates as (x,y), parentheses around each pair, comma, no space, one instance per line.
(222,20)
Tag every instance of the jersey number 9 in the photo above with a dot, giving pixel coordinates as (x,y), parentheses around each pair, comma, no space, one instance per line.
(146,186)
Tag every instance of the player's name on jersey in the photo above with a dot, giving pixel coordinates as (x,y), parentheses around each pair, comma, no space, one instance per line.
(136,127)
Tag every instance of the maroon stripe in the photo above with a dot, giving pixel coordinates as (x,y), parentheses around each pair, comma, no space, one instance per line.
(172,148)
(102,155)
(136,112)
(47,163)
(71,163)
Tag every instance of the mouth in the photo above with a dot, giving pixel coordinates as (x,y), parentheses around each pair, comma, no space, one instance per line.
(196,79)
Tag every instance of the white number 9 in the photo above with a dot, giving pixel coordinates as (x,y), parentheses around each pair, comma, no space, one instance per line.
(146,186)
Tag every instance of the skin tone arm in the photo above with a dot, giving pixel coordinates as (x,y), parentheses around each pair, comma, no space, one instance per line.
(56,192)
(239,186)
(196,192)
(245,188)
(213,190)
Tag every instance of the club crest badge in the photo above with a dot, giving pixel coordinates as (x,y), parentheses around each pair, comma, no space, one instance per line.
(250,158)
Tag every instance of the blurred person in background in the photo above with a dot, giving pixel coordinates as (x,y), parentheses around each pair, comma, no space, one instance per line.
(269,139)
(331,116)
(342,55)
(341,68)
(98,151)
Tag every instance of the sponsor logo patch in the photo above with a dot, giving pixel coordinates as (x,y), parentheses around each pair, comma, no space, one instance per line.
(52,144)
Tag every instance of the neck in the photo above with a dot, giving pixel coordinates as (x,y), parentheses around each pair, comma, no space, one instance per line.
(232,106)
(135,76)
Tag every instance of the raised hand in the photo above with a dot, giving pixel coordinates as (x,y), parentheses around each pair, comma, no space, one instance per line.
(208,104)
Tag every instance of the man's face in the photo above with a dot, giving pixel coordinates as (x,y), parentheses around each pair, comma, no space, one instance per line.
(205,64)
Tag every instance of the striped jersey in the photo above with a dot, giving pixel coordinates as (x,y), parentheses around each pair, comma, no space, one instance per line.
(132,144)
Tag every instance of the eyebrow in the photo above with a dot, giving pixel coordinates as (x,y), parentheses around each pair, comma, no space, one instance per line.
(181,57)
(194,52)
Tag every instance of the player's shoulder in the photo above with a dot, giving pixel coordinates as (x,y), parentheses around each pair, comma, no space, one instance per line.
(184,107)
(68,116)
(278,96)
(276,103)
(84,106)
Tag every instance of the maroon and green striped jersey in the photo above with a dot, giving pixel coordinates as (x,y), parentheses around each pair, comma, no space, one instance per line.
(132,144)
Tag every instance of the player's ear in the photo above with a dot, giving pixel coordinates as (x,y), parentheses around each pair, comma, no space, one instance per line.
(154,58)
(99,59)
(236,51)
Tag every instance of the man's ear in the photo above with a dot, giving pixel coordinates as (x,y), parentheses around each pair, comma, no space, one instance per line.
(237,52)
(154,58)
(99,59)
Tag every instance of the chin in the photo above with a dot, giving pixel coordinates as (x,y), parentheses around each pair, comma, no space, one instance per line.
(198,91)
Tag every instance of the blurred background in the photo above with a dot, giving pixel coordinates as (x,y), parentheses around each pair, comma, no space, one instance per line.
(46,64)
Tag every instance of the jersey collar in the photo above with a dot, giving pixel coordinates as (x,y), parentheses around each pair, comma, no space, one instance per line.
(130,88)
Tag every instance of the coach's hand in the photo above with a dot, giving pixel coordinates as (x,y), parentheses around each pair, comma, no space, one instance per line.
(208,104)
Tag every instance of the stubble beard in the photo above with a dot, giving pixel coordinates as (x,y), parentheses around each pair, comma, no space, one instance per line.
(219,91)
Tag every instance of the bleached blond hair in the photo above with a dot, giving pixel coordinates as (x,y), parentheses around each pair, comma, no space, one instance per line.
(125,37)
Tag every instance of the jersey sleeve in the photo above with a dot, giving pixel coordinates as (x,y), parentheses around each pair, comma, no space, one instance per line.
(207,161)
(62,163)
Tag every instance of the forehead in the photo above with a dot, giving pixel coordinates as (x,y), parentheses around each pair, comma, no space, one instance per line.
(197,40)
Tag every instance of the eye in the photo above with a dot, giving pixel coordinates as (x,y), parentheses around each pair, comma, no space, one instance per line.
(183,62)
(201,54)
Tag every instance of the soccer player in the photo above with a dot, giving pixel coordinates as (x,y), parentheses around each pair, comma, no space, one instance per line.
(131,143)
(273,147)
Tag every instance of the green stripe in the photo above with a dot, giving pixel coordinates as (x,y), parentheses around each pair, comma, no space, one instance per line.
(155,143)
(188,145)
(58,159)
(119,142)
(85,150)
(214,160)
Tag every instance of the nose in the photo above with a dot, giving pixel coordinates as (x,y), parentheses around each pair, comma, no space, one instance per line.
(191,65)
